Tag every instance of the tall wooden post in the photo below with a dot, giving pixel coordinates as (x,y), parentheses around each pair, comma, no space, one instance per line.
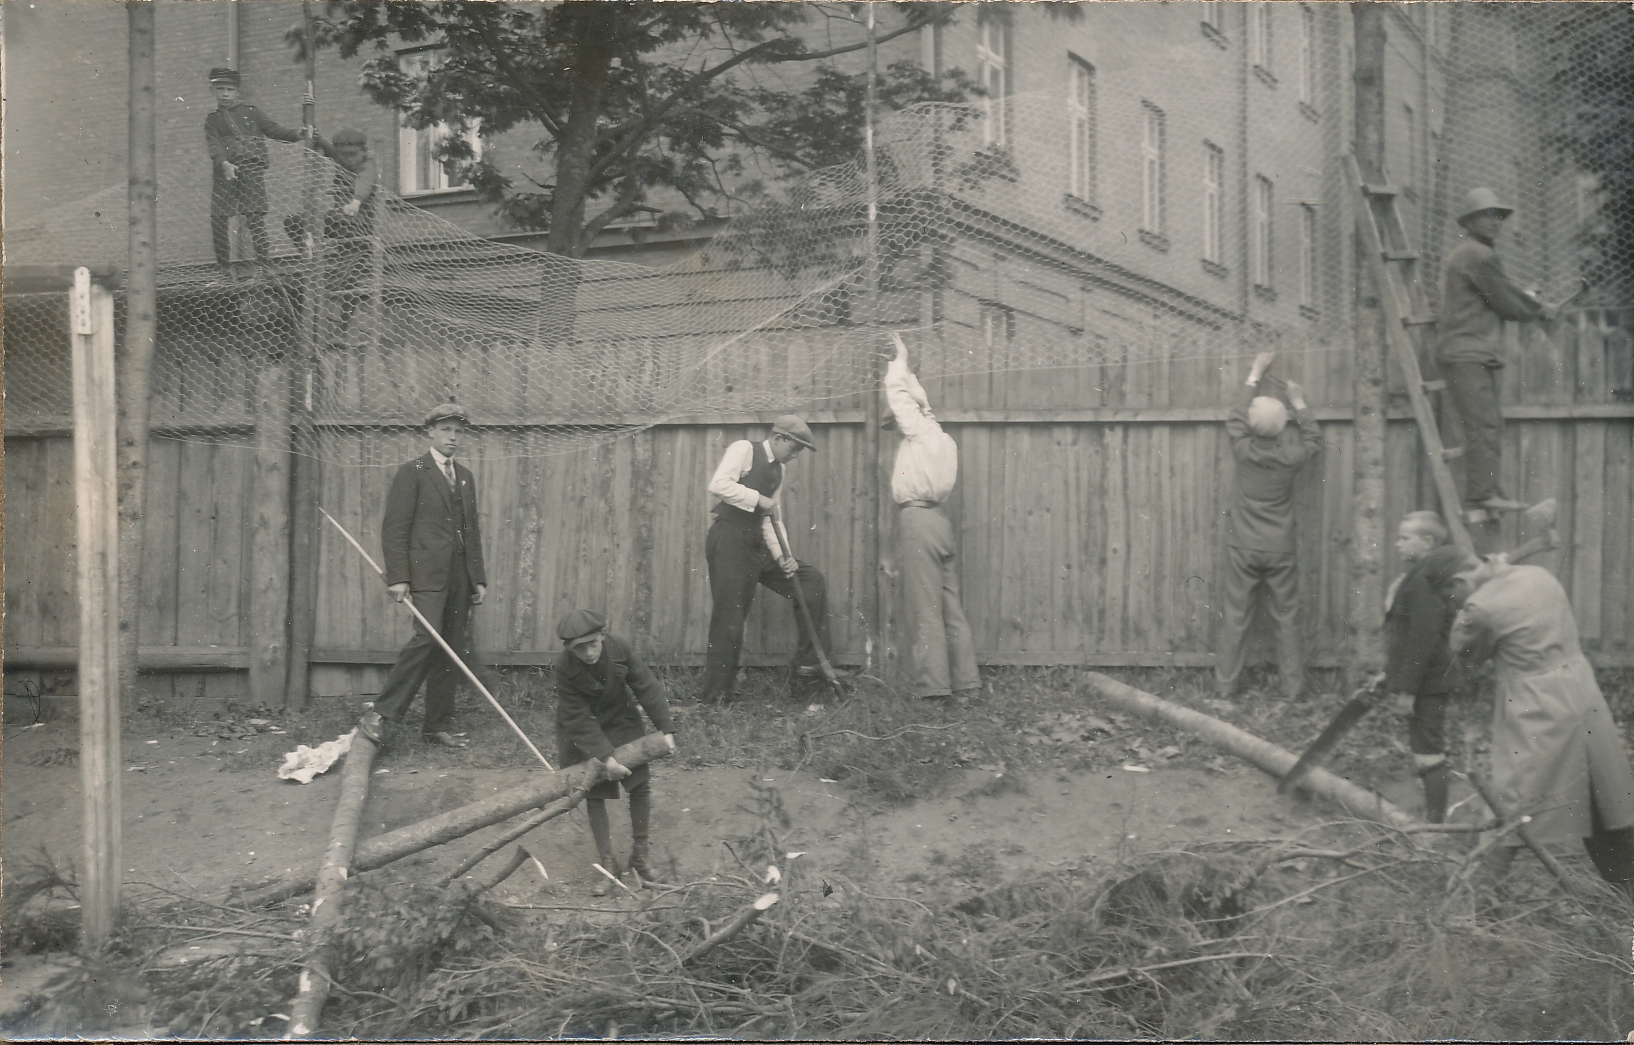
(97,527)
(269,538)
(1368,534)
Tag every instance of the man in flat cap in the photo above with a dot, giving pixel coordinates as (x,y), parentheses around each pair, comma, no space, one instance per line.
(1260,539)
(927,466)
(350,212)
(236,136)
(739,552)
(1476,297)
(601,689)
(433,549)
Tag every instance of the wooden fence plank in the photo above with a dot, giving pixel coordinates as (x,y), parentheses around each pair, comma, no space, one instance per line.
(1617,557)
(1588,532)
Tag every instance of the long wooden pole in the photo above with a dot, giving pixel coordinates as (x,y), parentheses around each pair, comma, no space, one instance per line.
(97,528)
(442,642)
(878,595)
(269,538)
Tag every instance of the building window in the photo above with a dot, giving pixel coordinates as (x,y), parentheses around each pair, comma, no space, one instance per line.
(1259,35)
(1263,195)
(1307,56)
(1081,129)
(418,169)
(1151,154)
(1411,178)
(992,44)
(1213,216)
(1214,20)
(1308,257)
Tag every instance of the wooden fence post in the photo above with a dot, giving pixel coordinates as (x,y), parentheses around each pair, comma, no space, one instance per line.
(269,538)
(97,527)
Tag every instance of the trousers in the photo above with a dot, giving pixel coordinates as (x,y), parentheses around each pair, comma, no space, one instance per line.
(739,561)
(944,651)
(221,241)
(422,661)
(1474,391)
(1278,572)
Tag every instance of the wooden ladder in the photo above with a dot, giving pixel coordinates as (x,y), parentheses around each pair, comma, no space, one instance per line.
(1394,265)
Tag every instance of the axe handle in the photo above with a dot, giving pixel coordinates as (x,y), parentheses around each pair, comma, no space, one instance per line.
(800,602)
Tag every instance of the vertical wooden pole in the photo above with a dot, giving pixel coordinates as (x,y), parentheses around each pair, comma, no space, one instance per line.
(97,526)
(1366,610)
(269,538)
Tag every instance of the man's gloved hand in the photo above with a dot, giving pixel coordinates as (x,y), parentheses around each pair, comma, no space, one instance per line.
(616,770)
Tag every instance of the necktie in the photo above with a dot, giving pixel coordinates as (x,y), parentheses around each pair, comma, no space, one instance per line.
(448,471)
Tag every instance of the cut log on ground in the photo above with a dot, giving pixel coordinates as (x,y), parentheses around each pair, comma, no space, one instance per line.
(327,903)
(550,812)
(386,848)
(1252,749)
(740,921)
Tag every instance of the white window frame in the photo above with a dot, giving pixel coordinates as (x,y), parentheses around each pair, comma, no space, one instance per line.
(414,144)
(1309,257)
(992,44)
(1080,129)
(1213,202)
(1259,34)
(1152,168)
(1214,15)
(1264,201)
(1307,55)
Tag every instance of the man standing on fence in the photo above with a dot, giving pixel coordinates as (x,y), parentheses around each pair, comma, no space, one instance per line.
(1260,528)
(433,548)
(927,466)
(1476,297)
(738,550)
(236,136)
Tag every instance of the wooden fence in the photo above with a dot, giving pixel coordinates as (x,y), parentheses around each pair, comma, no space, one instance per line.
(1089,534)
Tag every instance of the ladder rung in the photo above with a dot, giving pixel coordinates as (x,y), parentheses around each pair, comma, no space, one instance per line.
(1401,255)
(1381,190)
(1434,386)
(1418,321)
(1450,453)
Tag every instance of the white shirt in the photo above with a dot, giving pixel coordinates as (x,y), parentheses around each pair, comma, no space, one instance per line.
(724,485)
(927,461)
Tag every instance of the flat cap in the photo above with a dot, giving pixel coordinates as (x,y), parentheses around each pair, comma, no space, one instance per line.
(349,136)
(579,623)
(449,411)
(221,74)
(792,427)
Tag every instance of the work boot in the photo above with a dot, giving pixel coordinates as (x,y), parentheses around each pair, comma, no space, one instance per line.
(372,726)
(602,832)
(640,818)
(643,870)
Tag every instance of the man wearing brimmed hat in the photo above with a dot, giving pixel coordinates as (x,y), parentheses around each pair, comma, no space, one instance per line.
(1476,297)
(433,551)
(739,552)
(1260,537)
(236,136)
(922,479)
(601,689)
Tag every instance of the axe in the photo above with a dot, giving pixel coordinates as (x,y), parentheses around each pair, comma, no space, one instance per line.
(1369,694)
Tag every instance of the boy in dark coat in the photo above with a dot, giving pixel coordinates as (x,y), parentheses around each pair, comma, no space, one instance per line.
(601,687)
(1417,618)
(236,135)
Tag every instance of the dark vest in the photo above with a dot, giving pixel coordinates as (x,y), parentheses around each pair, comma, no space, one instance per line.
(763,477)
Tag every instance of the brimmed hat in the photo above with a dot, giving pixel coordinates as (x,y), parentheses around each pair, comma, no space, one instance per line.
(224,75)
(579,623)
(1480,200)
(349,136)
(446,412)
(792,427)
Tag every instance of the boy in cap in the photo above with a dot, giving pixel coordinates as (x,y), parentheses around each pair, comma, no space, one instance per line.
(433,550)
(236,136)
(601,688)
(738,550)
(1260,527)
(351,195)
(1418,664)
(1476,297)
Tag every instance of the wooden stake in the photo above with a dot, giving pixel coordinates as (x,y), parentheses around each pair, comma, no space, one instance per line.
(96,517)
(269,539)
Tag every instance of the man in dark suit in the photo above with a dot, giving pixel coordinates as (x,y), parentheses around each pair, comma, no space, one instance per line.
(433,547)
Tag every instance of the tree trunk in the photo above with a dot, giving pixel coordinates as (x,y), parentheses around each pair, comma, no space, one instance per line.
(592,29)
(1246,746)
(141,336)
(1368,525)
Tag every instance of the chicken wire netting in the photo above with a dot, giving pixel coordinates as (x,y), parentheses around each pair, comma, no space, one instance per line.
(1097,227)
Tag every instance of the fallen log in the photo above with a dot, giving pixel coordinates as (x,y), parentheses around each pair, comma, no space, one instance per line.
(740,921)
(327,902)
(391,846)
(1244,745)
(550,812)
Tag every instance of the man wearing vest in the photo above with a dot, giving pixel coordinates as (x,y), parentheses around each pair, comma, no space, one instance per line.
(739,553)
(433,549)
(927,466)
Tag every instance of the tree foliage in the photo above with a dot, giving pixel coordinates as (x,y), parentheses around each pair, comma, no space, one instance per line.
(628,97)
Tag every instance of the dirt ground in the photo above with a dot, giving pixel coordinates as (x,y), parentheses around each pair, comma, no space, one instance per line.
(200,819)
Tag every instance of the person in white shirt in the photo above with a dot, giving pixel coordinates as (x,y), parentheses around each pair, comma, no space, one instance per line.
(740,557)
(927,466)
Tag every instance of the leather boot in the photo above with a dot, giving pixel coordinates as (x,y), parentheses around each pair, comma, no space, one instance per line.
(640,818)
(602,832)
(1436,779)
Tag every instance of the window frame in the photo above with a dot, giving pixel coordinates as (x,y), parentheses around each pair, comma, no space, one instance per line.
(1263,258)
(1259,36)
(1154,213)
(1081,130)
(1307,55)
(410,139)
(991,61)
(1213,203)
(1309,254)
